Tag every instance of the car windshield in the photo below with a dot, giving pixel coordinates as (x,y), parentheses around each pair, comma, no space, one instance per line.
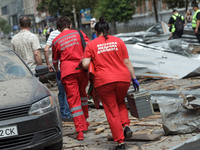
(11,66)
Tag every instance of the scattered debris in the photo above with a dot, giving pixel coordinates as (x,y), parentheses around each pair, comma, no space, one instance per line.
(156,62)
(163,139)
(78,145)
(99,130)
(148,124)
(179,116)
(191,144)
(140,137)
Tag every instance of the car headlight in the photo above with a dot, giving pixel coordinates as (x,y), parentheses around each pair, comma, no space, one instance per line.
(42,106)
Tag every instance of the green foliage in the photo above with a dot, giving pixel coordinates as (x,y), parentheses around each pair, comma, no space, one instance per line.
(2,23)
(6,28)
(65,7)
(115,10)
(53,6)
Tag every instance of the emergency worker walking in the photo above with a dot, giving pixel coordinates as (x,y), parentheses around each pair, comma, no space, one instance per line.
(67,48)
(196,21)
(64,107)
(176,23)
(113,73)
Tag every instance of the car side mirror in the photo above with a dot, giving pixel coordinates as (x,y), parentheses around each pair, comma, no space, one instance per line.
(41,70)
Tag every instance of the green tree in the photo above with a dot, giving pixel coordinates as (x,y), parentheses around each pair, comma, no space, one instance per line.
(56,6)
(65,7)
(115,11)
(2,23)
(5,27)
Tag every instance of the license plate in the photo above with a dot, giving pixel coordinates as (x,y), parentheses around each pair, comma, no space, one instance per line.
(8,131)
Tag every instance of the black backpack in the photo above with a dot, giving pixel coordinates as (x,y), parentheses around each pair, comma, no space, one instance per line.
(179,24)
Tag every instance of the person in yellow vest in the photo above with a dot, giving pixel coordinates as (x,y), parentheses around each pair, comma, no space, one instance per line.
(176,23)
(170,30)
(196,21)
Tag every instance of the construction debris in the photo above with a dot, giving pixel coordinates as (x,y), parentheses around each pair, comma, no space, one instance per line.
(140,137)
(156,62)
(191,144)
(99,130)
(179,116)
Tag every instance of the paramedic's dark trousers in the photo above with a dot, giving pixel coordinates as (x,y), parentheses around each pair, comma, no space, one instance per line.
(198,36)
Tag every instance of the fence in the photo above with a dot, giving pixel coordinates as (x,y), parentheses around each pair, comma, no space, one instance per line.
(120,29)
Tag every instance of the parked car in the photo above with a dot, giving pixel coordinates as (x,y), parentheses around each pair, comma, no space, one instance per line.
(29,112)
(10,36)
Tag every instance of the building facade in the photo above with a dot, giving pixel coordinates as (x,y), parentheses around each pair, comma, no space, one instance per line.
(11,10)
(145,15)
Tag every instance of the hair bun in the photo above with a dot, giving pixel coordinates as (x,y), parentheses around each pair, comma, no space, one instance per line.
(101,19)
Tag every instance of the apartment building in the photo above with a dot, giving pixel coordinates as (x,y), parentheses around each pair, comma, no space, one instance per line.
(11,10)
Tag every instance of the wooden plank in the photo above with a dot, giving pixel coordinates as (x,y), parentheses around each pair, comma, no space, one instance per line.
(73,146)
(148,124)
(140,137)
(163,139)
(99,130)
(154,117)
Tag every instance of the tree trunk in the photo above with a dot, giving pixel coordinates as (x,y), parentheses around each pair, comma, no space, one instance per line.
(115,27)
(186,3)
(75,18)
(155,10)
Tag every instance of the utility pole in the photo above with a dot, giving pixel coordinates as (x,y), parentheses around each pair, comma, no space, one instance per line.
(155,10)
(75,18)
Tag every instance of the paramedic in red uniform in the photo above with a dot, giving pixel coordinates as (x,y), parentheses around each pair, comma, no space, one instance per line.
(67,48)
(113,73)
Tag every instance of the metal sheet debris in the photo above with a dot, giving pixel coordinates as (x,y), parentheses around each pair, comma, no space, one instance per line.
(150,61)
(157,33)
(171,95)
(191,144)
(178,118)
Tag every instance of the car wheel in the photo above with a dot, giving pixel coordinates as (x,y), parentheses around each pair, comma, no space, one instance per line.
(56,146)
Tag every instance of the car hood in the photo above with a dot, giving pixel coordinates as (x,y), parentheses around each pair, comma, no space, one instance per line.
(20,92)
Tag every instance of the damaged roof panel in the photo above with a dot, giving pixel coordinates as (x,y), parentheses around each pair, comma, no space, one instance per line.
(155,63)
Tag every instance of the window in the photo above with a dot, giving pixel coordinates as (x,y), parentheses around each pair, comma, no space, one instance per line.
(4,10)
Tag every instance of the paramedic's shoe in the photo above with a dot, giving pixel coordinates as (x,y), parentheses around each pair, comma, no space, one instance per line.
(120,147)
(80,137)
(127,132)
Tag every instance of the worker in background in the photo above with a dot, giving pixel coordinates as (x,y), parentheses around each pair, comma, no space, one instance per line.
(113,73)
(188,18)
(49,30)
(67,47)
(177,23)
(196,21)
(64,107)
(170,30)
(92,25)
